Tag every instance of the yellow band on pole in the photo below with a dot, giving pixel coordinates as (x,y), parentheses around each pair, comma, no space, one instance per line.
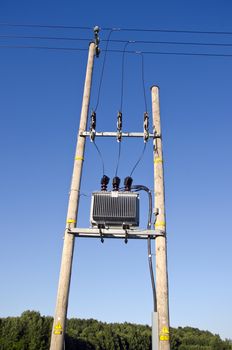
(79,158)
(160,223)
(158,160)
(71,221)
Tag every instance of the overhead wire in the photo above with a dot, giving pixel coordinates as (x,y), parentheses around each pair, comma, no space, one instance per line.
(6,36)
(98,97)
(51,48)
(102,71)
(121,101)
(101,157)
(159,30)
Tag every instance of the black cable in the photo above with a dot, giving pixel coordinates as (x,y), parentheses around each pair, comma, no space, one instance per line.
(102,72)
(100,155)
(149,222)
(143,82)
(115,40)
(42,26)
(113,51)
(122,78)
(138,161)
(119,155)
(159,30)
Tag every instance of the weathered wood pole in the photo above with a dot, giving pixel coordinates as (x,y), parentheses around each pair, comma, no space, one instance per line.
(58,329)
(160,224)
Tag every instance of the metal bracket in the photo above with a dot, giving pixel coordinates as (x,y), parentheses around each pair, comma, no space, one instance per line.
(115,233)
(96,30)
(115,134)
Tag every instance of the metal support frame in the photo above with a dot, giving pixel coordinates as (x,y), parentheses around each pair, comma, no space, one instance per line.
(114,233)
(115,134)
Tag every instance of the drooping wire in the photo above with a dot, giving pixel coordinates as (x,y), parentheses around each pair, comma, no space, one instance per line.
(138,161)
(103,68)
(122,78)
(121,100)
(143,82)
(118,160)
(101,157)
(145,103)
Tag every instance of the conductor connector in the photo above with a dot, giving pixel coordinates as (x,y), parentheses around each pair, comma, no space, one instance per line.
(119,127)
(146,127)
(92,126)
(96,30)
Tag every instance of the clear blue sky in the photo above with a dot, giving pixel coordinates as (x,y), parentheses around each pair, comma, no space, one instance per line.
(41,94)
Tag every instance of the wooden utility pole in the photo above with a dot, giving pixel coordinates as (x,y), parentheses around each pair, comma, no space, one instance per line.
(160,225)
(58,330)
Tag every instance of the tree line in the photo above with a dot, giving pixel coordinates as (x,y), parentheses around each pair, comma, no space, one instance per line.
(31,331)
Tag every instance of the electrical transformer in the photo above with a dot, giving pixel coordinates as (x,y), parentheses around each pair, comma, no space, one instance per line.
(114,209)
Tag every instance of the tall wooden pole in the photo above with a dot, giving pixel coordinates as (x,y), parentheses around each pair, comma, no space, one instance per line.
(160,224)
(58,330)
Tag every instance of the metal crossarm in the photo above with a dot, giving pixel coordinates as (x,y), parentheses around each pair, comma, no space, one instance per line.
(115,134)
(115,233)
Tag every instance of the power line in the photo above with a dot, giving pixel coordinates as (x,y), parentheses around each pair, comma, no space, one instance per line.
(102,71)
(43,26)
(117,40)
(159,30)
(114,51)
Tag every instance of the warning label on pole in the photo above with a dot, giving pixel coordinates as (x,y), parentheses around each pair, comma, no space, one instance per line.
(164,334)
(58,329)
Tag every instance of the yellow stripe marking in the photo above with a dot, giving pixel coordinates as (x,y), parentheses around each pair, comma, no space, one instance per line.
(79,158)
(71,221)
(158,160)
(160,223)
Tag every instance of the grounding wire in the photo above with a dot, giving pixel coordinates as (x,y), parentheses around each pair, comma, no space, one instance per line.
(101,157)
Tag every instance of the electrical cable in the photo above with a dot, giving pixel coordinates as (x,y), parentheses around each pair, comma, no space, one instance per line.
(122,78)
(138,161)
(43,26)
(102,160)
(114,51)
(149,223)
(159,30)
(119,155)
(121,101)
(143,82)
(116,40)
(102,72)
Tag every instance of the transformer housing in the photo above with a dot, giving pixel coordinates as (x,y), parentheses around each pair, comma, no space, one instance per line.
(114,209)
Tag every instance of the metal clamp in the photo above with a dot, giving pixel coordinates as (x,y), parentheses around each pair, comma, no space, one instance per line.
(92,133)
(146,127)
(119,127)
(96,30)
